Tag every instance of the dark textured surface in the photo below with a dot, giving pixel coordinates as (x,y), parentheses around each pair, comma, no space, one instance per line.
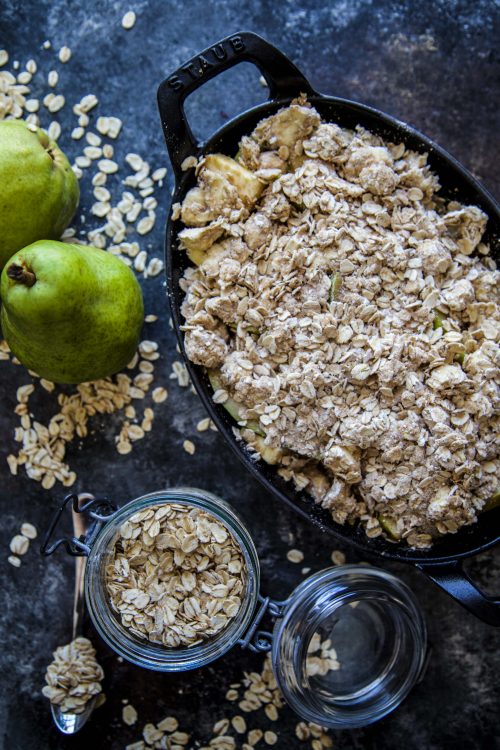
(433,64)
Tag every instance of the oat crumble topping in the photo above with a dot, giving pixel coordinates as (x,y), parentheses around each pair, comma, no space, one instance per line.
(349,318)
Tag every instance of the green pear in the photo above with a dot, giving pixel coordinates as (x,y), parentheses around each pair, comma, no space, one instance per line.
(71,313)
(39,191)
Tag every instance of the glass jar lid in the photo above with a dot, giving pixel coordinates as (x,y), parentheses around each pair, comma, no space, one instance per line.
(349,646)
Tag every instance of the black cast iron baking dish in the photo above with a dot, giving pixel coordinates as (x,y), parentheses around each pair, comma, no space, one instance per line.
(443,562)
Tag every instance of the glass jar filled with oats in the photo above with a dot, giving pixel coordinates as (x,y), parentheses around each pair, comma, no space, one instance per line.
(172,580)
(173,583)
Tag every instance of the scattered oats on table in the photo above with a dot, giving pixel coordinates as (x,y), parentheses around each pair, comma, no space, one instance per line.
(159,174)
(128,20)
(145,225)
(168,724)
(295,555)
(270,738)
(151,734)
(140,261)
(123,447)
(154,267)
(203,425)
(19,544)
(29,531)
(239,724)
(254,736)
(108,166)
(271,712)
(189,447)
(54,131)
(160,395)
(53,78)
(129,714)
(262,695)
(147,347)
(32,105)
(338,557)
(43,447)
(180,373)
(135,161)
(220,727)
(56,103)
(64,54)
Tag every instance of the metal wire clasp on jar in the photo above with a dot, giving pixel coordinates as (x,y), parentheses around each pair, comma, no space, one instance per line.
(172,583)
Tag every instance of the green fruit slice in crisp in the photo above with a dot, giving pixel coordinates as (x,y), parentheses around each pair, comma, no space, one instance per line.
(269,454)
(247,185)
(230,405)
(335,284)
(438,322)
(390,527)
(493,502)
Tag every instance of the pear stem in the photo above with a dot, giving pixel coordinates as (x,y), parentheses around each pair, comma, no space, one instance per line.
(21,274)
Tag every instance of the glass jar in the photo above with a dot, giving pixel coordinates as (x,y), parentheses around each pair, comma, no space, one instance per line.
(377,630)
(364,623)
(120,638)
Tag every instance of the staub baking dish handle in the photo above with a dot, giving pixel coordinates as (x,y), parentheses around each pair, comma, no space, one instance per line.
(452,578)
(283,78)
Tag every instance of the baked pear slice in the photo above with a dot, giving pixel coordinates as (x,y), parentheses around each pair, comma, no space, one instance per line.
(390,527)
(230,405)
(197,240)
(268,454)
(493,502)
(286,127)
(247,185)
